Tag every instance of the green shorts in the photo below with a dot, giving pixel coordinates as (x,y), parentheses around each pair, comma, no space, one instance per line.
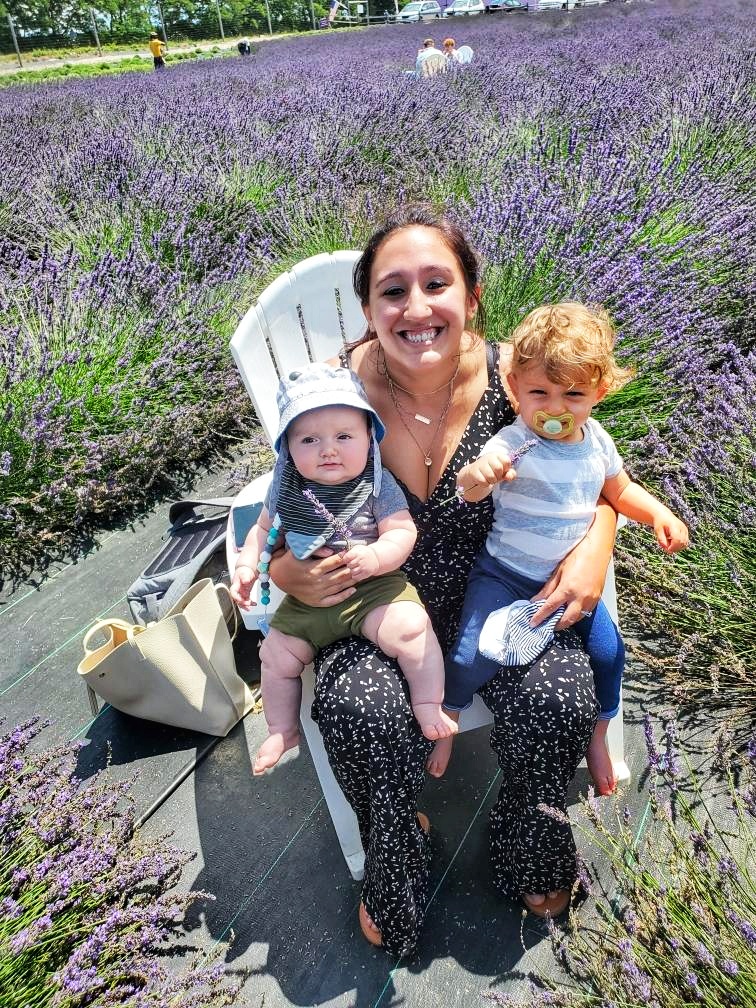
(320,627)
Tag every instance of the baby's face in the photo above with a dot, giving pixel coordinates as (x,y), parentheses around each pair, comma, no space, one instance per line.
(557,412)
(329,445)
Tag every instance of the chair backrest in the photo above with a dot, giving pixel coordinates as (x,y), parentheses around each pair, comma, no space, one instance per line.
(433,65)
(306,314)
(465,54)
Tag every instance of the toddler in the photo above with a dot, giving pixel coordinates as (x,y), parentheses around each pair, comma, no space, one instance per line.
(562,365)
(329,490)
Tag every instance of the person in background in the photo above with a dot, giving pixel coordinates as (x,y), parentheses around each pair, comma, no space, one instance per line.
(449,49)
(243,46)
(158,49)
(428,50)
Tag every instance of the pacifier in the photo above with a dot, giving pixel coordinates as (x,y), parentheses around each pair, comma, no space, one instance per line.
(553,426)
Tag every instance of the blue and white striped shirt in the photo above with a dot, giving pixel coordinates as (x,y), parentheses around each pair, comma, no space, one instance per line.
(547,510)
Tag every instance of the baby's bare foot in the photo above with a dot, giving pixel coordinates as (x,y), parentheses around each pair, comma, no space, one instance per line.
(272,749)
(600,764)
(438,760)
(433,722)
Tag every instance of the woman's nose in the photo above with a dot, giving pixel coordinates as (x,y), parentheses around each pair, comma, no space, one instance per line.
(417,306)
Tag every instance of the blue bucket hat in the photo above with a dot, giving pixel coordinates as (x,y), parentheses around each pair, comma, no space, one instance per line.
(508,638)
(315,386)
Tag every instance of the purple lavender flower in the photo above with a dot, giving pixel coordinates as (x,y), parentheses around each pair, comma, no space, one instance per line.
(339,526)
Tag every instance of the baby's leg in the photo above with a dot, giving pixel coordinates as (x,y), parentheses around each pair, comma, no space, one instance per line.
(282,658)
(438,760)
(606,652)
(402,630)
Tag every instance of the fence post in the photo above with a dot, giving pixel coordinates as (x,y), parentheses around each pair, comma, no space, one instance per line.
(312,15)
(94,31)
(220,20)
(15,41)
(267,13)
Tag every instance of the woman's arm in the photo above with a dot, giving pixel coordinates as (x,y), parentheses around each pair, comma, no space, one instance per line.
(322,580)
(578,581)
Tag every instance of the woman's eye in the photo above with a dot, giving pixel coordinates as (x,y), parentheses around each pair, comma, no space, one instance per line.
(393,292)
(437,284)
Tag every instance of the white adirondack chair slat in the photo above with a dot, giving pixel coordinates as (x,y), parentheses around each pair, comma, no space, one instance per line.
(269,342)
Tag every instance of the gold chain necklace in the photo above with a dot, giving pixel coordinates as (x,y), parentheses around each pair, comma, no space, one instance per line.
(400,413)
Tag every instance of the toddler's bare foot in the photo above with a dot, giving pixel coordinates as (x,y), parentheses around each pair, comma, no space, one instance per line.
(600,763)
(438,760)
(433,722)
(272,749)
(553,904)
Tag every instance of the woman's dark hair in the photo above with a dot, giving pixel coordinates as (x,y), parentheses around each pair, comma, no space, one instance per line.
(420,215)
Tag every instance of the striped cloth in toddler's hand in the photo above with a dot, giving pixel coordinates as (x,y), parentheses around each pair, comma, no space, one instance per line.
(508,638)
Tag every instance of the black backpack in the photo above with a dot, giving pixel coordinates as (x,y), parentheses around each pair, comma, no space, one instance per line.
(195,547)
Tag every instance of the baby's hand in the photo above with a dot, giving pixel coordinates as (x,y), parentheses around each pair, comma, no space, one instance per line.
(241,587)
(489,469)
(362,562)
(671,533)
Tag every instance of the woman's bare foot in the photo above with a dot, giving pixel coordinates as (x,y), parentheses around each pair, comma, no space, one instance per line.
(367,924)
(272,749)
(434,723)
(438,760)
(551,905)
(600,762)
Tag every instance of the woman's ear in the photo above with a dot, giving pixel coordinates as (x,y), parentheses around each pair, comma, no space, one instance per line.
(368,316)
(473,300)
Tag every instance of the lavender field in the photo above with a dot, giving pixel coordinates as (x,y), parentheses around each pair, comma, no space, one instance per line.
(604,155)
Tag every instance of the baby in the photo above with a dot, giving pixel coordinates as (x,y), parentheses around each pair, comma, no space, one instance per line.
(329,490)
(562,366)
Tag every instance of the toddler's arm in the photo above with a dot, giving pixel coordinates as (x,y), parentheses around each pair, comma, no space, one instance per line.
(478,478)
(245,571)
(396,537)
(631,500)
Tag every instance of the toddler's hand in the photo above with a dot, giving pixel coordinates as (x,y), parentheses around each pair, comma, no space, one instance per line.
(241,586)
(362,562)
(489,469)
(671,533)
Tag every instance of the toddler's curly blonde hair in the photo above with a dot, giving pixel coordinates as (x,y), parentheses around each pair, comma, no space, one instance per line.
(572,342)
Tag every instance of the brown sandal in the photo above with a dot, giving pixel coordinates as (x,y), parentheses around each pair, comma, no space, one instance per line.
(552,906)
(367,926)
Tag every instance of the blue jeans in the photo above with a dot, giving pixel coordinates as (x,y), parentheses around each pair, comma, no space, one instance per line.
(492,586)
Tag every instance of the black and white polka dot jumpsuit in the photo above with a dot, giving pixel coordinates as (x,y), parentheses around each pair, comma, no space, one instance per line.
(544,715)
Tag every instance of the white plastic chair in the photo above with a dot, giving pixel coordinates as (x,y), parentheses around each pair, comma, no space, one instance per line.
(306,315)
(433,65)
(465,54)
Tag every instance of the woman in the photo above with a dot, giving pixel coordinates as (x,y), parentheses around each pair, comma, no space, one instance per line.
(441,394)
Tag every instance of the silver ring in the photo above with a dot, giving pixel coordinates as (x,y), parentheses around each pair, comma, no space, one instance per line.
(586,612)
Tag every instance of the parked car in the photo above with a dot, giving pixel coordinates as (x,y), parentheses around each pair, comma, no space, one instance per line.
(507,5)
(419,10)
(457,7)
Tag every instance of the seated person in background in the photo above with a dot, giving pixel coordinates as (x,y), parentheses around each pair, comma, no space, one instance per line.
(243,46)
(449,49)
(562,366)
(427,52)
(329,490)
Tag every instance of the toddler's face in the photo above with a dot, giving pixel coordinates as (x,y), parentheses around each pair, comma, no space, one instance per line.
(329,445)
(556,412)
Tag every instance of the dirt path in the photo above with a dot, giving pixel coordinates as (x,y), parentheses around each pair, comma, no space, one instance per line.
(9,64)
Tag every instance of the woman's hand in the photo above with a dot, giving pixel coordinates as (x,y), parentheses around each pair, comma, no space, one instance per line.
(322,580)
(578,581)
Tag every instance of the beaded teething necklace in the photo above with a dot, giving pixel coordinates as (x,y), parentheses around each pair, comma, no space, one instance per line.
(263,567)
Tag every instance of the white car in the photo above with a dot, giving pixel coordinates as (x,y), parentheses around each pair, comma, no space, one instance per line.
(419,10)
(457,7)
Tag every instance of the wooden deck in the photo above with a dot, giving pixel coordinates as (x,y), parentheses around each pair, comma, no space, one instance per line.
(266,847)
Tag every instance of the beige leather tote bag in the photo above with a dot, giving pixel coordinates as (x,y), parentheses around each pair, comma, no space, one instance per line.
(179,671)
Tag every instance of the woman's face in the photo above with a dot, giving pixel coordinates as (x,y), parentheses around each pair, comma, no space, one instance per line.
(418,304)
